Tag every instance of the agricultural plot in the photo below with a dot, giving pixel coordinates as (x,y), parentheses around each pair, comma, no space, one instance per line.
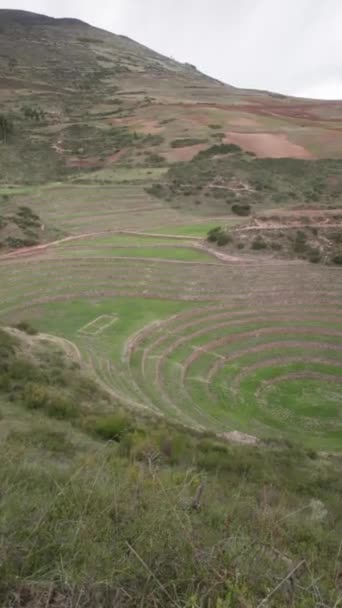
(98,325)
(247,346)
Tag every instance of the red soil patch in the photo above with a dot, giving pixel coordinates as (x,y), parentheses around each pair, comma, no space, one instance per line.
(244,122)
(310,110)
(140,125)
(184,154)
(113,158)
(83,163)
(268,145)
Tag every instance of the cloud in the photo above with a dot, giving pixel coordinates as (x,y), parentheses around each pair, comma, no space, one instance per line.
(291,46)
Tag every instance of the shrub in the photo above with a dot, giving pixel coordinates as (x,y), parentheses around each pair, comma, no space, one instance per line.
(259,244)
(35,396)
(213,234)
(242,209)
(315,257)
(113,428)
(218,150)
(223,238)
(153,139)
(38,396)
(337,259)
(300,242)
(156,190)
(314,254)
(36,114)
(188,141)
(155,160)
(61,407)
(6,127)
(26,327)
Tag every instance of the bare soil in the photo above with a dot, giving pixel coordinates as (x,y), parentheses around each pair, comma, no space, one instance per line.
(268,145)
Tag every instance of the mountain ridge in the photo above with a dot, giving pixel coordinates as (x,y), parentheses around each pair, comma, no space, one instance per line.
(81,98)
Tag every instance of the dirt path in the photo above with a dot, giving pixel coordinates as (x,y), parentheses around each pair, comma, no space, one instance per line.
(41,248)
(198,241)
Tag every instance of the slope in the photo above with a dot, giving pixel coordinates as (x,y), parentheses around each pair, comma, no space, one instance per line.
(77,98)
(101,508)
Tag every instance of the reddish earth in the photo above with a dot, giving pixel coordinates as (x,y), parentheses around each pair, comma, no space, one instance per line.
(269,145)
(113,158)
(244,122)
(140,125)
(94,163)
(184,154)
(310,110)
(83,163)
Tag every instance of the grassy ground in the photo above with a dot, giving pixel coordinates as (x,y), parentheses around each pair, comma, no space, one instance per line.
(160,252)
(101,505)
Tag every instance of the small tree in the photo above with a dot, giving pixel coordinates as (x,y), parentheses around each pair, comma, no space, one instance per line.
(6,128)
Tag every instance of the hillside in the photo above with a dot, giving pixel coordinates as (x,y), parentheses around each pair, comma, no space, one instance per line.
(82,98)
(103,507)
(170,331)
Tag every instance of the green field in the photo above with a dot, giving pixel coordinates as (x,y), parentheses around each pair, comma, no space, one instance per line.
(254,347)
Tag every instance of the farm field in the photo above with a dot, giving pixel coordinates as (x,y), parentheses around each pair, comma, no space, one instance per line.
(122,161)
(250,348)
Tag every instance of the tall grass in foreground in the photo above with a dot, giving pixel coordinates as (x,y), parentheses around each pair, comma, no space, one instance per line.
(106,508)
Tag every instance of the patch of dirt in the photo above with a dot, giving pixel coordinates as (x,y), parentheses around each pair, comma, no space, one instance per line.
(184,154)
(268,145)
(113,158)
(140,125)
(238,437)
(244,122)
(83,163)
(307,110)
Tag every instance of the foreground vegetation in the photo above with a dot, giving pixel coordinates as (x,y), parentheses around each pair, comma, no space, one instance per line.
(103,507)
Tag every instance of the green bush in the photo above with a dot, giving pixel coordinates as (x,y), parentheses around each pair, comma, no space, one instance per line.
(26,327)
(153,139)
(218,150)
(114,427)
(52,402)
(337,259)
(223,238)
(6,127)
(242,209)
(213,234)
(300,244)
(187,141)
(259,244)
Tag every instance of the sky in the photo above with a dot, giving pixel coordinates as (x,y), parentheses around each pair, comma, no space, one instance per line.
(288,46)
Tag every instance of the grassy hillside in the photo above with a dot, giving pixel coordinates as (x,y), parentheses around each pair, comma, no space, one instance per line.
(170,408)
(100,505)
(74,98)
(225,179)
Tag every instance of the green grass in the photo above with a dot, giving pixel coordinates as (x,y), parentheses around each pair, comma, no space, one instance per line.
(166,253)
(199,229)
(122,175)
(67,318)
(164,495)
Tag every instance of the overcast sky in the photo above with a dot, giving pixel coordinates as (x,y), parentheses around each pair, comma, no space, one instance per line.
(289,46)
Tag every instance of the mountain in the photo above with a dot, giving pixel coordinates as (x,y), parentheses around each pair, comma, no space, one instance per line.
(76,97)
